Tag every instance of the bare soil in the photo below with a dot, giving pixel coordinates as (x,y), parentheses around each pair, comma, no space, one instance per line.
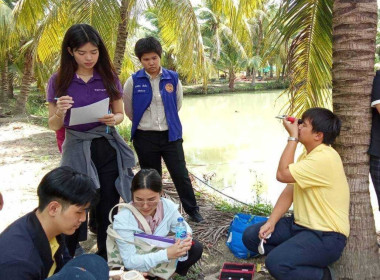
(28,151)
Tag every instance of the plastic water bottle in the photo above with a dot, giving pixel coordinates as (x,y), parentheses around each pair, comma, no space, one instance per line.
(181,233)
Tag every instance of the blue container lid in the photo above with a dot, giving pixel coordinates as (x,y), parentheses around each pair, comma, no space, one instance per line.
(180,219)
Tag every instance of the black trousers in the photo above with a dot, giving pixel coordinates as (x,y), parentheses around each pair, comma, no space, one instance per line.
(195,253)
(150,146)
(105,160)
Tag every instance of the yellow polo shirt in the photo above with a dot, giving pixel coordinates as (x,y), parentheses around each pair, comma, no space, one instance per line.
(321,197)
(54,247)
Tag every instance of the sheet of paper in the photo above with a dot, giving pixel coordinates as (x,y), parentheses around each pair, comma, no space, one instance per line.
(90,113)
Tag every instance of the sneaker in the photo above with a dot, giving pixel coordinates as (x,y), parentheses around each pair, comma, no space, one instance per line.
(196,217)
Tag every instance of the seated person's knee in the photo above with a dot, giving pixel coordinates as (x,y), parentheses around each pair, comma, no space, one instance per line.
(251,237)
(276,266)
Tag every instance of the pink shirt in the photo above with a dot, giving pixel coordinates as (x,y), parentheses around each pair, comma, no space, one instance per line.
(154,221)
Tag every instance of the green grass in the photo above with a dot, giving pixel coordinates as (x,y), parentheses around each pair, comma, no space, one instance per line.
(217,87)
(125,130)
(259,209)
(36,106)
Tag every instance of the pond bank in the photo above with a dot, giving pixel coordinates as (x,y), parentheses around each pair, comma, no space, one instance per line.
(240,86)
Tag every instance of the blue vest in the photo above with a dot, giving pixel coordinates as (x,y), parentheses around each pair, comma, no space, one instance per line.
(142,97)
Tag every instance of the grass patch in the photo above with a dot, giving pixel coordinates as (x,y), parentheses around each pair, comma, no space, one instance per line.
(37,107)
(259,209)
(217,87)
(124,130)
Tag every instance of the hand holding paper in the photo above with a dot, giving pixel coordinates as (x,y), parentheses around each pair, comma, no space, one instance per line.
(108,119)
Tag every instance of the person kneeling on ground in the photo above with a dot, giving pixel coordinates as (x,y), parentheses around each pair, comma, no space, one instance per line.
(161,215)
(33,248)
(302,247)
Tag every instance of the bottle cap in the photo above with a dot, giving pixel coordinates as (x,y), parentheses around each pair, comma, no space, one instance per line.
(180,219)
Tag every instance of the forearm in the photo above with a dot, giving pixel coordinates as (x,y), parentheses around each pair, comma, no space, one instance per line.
(286,159)
(282,205)
(377,106)
(56,119)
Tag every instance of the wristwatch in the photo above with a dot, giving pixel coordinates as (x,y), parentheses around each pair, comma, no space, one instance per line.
(292,139)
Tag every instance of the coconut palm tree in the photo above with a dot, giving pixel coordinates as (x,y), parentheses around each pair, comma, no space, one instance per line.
(6,40)
(348,40)
(354,35)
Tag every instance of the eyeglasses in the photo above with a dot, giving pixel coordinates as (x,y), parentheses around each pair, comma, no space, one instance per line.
(142,203)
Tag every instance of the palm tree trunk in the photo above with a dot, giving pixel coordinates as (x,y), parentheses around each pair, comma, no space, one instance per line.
(231,79)
(10,85)
(253,83)
(283,72)
(122,36)
(25,84)
(354,34)
(2,94)
(271,70)
(4,80)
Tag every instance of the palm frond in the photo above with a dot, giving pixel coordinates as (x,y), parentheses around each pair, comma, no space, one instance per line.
(179,17)
(310,54)
(103,15)
(7,33)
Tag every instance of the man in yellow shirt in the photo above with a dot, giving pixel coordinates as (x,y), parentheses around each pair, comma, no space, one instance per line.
(302,246)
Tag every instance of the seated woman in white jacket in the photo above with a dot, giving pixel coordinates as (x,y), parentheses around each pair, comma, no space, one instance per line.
(161,215)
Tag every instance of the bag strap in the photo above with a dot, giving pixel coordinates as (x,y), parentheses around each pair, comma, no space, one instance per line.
(135,212)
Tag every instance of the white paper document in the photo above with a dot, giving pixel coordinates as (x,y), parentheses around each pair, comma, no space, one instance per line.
(90,113)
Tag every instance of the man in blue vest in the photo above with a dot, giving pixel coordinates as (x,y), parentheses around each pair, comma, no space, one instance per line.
(152,99)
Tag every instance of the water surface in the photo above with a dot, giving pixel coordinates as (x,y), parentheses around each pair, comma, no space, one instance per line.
(237,137)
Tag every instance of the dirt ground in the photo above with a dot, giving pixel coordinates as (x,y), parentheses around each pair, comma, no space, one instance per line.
(28,151)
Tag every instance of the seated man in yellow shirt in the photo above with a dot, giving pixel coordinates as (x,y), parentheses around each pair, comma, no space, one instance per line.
(302,247)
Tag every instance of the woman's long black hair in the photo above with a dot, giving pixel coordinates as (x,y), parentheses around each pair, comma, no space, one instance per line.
(75,37)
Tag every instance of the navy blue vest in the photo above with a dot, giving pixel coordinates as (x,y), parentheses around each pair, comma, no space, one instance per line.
(142,97)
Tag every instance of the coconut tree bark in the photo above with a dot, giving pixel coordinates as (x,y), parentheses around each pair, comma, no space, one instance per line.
(354,34)
(4,80)
(26,81)
(231,79)
(253,83)
(122,35)
(10,85)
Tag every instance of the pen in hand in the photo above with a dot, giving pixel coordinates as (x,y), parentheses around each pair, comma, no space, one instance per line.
(107,127)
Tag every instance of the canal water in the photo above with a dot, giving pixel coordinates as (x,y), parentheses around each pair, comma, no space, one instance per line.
(234,142)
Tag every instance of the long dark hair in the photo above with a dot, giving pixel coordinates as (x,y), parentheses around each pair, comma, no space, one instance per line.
(75,37)
(147,179)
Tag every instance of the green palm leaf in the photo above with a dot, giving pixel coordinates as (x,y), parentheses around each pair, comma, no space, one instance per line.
(179,16)
(310,54)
